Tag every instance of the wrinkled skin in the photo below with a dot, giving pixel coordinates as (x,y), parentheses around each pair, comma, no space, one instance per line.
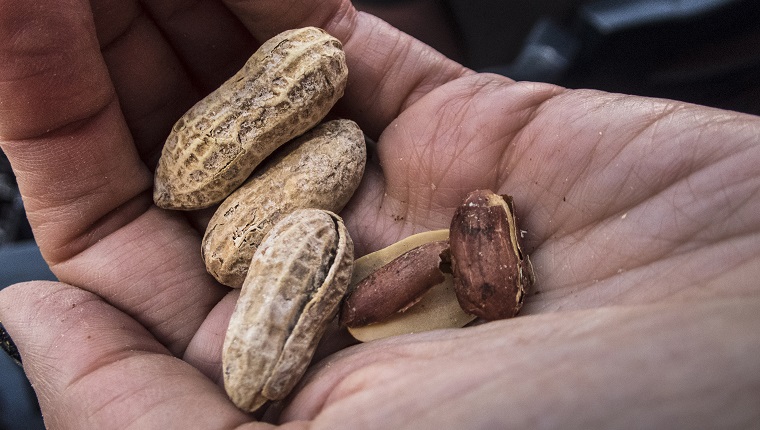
(642,219)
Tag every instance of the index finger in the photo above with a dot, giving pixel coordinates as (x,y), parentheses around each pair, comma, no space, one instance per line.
(388,70)
(85,188)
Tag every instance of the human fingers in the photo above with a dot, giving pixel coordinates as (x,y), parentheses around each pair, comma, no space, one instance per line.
(388,70)
(93,367)
(163,56)
(61,126)
(629,200)
(657,366)
(456,138)
(620,199)
(86,190)
(210,42)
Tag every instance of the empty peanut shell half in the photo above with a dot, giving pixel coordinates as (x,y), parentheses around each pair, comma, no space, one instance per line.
(401,289)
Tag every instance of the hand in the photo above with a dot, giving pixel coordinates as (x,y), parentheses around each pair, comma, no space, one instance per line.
(638,215)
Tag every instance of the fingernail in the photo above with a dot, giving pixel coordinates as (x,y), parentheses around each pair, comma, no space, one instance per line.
(8,346)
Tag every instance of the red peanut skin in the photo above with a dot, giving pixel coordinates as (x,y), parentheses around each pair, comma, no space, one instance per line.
(394,287)
(490,271)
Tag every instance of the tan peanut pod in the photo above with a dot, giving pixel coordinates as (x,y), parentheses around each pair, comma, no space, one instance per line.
(320,169)
(297,279)
(287,86)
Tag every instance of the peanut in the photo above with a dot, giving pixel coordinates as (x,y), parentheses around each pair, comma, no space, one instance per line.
(320,169)
(436,309)
(383,303)
(442,279)
(413,273)
(286,87)
(491,272)
(296,281)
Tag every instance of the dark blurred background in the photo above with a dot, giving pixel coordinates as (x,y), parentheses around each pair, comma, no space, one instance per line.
(20,260)
(701,51)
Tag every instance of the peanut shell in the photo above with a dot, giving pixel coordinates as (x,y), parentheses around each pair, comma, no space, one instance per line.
(321,169)
(296,281)
(286,87)
(436,308)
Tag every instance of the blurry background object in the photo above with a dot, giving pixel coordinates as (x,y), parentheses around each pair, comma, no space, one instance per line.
(13,225)
(699,51)
(18,405)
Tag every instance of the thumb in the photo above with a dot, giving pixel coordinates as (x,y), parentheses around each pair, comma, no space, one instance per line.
(94,367)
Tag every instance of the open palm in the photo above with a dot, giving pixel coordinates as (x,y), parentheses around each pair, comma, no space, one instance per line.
(639,214)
